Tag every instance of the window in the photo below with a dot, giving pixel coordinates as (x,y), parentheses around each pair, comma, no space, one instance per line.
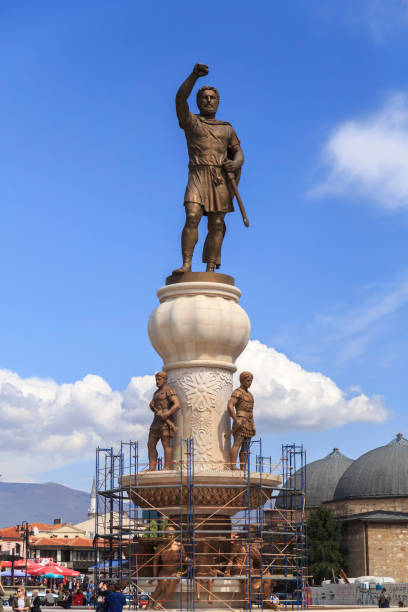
(65,555)
(45,553)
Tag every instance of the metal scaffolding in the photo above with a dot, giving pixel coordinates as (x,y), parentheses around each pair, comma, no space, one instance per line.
(287,524)
(233,561)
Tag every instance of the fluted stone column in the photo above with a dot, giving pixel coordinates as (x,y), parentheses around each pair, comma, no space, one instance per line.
(199,330)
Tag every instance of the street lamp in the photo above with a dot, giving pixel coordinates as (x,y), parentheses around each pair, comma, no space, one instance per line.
(24,526)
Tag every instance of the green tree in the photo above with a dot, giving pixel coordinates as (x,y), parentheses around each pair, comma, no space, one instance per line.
(156,529)
(325,544)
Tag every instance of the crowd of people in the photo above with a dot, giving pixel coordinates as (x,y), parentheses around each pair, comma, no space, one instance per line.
(104,598)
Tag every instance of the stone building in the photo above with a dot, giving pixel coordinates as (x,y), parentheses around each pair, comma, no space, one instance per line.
(13,539)
(371,499)
(76,552)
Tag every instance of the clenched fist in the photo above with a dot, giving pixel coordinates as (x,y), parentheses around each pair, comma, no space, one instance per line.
(200,70)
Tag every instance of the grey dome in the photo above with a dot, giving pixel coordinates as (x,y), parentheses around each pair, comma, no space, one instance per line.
(322,477)
(382,472)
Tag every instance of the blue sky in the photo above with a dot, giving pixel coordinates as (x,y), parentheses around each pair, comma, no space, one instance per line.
(92,180)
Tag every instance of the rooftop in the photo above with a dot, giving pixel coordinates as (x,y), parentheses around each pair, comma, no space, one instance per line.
(382,472)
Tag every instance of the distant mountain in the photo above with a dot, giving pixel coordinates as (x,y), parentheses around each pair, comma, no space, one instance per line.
(41,503)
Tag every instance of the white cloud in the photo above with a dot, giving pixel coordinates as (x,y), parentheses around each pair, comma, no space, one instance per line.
(369,156)
(45,425)
(289,397)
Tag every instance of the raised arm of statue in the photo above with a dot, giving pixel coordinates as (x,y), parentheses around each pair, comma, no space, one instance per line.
(185,90)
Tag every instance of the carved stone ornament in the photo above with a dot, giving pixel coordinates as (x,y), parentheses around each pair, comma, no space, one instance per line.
(203,394)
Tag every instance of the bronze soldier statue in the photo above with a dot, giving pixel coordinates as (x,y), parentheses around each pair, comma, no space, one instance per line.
(164,404)
(206,567)
(166,564)
(266,583)
(240,563)
(214,150)
(246,559)
(241,409)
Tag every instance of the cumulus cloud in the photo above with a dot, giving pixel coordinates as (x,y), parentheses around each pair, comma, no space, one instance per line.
(369,156)
(290,397)
(46,425)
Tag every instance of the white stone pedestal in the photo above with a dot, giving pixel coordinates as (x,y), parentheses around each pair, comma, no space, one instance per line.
(199,330)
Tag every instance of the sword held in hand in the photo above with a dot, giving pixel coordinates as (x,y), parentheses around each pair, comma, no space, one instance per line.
(169,423)
(233,183)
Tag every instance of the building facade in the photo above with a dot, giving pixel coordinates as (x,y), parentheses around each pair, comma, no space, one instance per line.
(371,500)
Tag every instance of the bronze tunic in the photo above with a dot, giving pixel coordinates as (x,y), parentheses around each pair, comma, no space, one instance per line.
(209,142)
(244,408)
(163,400)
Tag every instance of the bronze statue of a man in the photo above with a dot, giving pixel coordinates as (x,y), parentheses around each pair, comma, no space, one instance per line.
(164,404)
(214,150)
(206,567)
(166,566)
(241,409)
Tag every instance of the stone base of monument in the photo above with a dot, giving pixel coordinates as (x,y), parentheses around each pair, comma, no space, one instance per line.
(224,492)
(199,329)
(226,594)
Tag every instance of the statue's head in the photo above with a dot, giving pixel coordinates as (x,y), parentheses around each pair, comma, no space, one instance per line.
(161,379)
(208,99)
(246,378)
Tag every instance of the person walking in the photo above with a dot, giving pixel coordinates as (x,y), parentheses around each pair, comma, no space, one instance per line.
(384,599)
(115,600)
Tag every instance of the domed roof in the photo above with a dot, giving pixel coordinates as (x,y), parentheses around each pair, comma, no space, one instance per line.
(382,472)
(322,477)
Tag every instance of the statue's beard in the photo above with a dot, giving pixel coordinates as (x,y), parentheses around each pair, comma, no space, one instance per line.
(208,111)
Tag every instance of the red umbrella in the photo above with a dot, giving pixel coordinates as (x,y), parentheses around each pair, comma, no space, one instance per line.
(5,563)
(72,572)
(24,562)
(52,569)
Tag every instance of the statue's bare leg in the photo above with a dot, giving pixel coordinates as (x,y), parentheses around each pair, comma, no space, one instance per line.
(152,452)
(234,452)
(210,590)
(168,453)
(243,455)
(198,589)
(158,595)
(189,236)
(214,238)
(154,596)
(168,590)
